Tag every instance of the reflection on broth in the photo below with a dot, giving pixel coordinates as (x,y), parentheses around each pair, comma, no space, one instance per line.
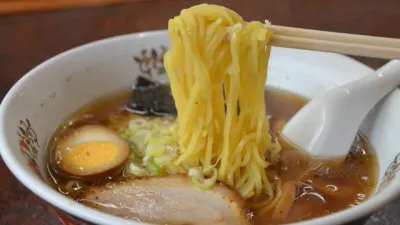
(309,188)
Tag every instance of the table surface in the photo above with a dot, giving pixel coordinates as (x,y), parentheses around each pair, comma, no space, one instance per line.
(28,39)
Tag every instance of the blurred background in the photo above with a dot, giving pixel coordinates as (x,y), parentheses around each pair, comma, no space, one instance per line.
(32,31)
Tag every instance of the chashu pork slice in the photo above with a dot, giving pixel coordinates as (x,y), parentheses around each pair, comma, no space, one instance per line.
(168,200)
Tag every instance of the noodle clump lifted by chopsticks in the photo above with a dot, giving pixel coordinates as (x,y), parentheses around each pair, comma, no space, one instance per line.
(217,68)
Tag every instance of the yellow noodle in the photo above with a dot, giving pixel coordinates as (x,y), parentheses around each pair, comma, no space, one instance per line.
(218,60)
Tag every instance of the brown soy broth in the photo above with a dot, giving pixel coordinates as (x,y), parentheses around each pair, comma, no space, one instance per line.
(354,180)
(356,176)
(283,104)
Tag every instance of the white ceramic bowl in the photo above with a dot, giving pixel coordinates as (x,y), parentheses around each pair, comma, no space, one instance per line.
(38,102)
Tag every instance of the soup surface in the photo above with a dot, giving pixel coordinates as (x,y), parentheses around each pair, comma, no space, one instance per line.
(321,187)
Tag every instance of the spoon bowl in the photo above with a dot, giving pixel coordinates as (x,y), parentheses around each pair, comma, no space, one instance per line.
(327,125)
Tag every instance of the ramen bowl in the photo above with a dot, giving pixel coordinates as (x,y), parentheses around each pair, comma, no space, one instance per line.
(40,100)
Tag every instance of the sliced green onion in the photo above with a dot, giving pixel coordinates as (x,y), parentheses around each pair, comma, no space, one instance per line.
(132,146)
(125,133)
(132,156)
(196,176)
(152,168)
(137,123)
(155,149)
(162,140)
(141,136)
(152,142)
(163,159)
(136,170)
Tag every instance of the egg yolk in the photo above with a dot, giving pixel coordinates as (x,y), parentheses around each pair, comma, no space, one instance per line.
(90,155)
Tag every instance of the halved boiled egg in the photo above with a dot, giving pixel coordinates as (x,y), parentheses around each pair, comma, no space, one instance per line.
(91,150)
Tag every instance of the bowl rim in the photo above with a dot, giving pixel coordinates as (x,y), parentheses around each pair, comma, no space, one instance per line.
(51,196)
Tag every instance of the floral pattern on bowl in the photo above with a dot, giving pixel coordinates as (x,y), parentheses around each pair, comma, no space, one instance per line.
(390,173)
(28,144)
(151,61)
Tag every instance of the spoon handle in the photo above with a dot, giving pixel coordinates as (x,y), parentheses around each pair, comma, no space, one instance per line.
(371,88)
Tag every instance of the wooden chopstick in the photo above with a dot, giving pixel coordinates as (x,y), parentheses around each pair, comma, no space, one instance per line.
(349,44)
(334,36)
